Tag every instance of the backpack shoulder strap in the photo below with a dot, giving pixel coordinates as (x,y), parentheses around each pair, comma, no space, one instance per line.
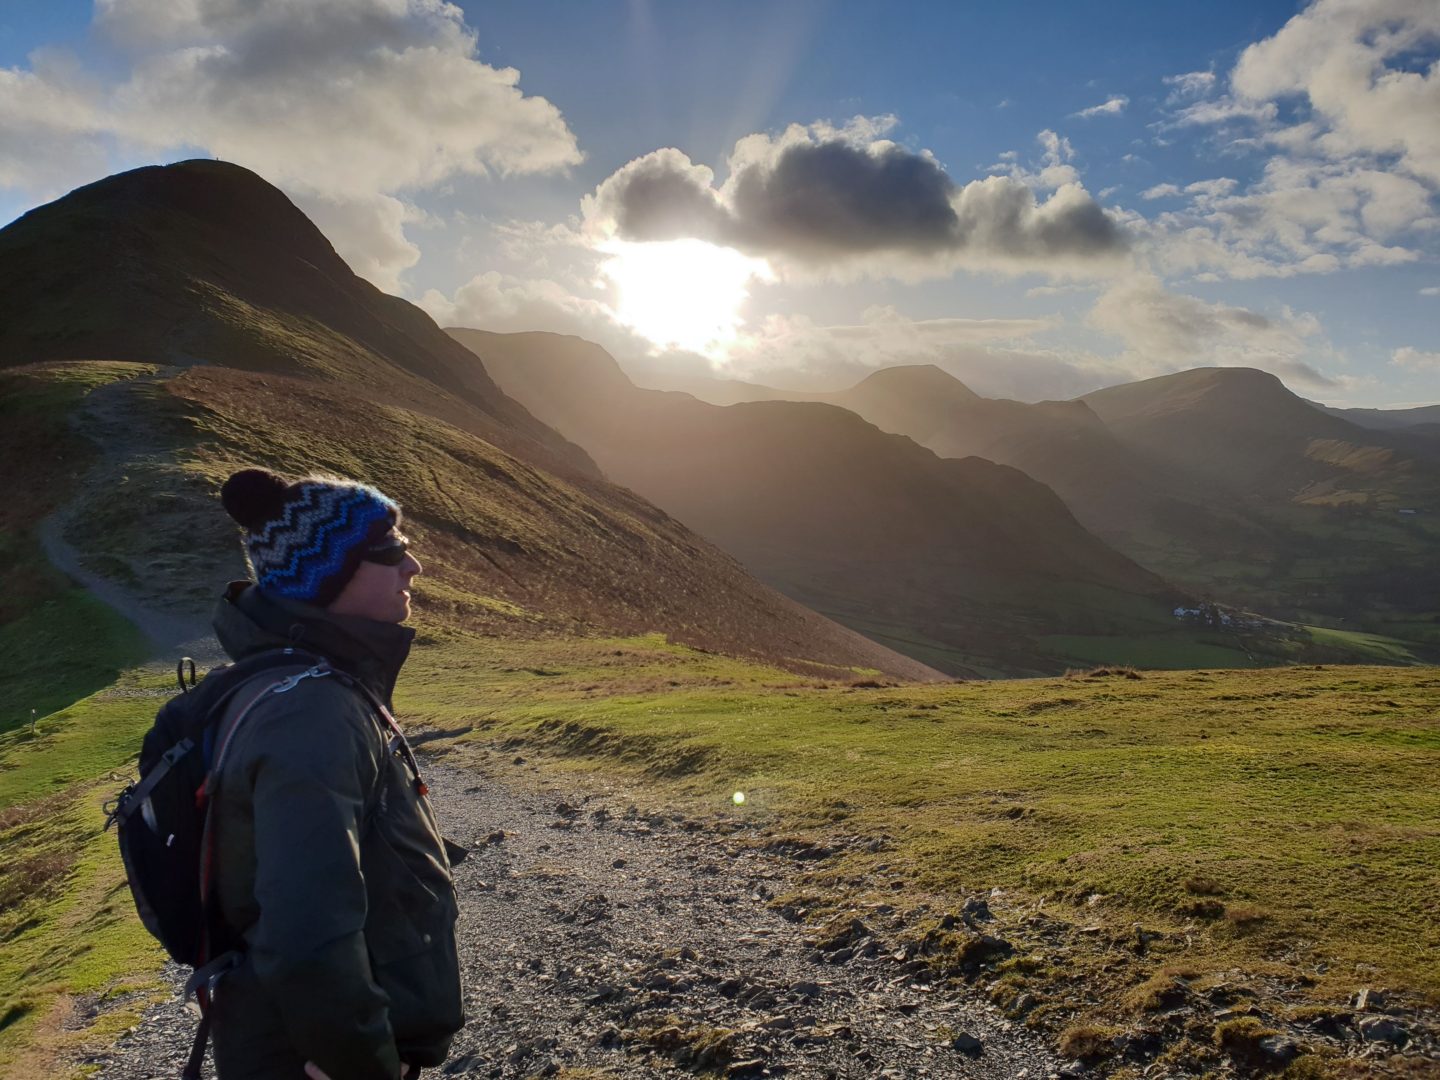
(277,680)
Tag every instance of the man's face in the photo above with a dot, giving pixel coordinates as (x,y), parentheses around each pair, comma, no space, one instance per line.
(379,591)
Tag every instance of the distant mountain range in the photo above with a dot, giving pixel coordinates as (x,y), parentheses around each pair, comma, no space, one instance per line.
(1422,416)
(962,562)
(262,347)
(1219,479)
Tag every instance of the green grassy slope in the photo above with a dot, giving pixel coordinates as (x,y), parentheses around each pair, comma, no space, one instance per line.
(1303,791)
(65,929)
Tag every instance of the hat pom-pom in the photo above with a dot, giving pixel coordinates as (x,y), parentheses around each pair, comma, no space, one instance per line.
(254,497)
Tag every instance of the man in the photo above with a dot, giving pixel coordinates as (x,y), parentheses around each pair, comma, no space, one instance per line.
(328,859)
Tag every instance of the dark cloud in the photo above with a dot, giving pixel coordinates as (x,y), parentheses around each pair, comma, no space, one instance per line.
(821,200)
(836,198)
(661,200)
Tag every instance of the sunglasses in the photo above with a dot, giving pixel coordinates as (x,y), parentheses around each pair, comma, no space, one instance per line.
(389,552)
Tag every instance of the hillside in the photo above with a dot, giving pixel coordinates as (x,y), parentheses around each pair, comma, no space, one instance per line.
(1242,430)
(964,563)
(1063,444)
(523,534)
(203,262)
(1219,479)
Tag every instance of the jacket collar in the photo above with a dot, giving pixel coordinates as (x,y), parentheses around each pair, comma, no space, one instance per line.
(248,620)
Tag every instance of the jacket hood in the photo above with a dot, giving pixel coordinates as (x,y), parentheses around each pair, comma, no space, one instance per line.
(248,620)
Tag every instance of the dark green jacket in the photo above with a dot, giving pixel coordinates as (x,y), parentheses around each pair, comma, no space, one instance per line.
(328,859)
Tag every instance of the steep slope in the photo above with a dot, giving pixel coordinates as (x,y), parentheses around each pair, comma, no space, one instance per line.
(964,563)
(207,263)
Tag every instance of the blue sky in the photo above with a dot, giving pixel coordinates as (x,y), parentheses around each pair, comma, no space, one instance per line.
(1041,199)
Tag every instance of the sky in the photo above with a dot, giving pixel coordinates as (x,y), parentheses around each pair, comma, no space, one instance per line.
(1042,199)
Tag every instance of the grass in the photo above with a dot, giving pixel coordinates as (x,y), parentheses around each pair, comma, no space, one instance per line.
(1300,801)
(1295,807)
(65,919)
(44,670)
(65,915)
(42,615)
(1379,648)
(1155,651)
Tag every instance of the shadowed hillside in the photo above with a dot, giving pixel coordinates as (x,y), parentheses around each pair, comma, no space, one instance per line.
(292,362)
(963,563)
(1219,479)
(205,263)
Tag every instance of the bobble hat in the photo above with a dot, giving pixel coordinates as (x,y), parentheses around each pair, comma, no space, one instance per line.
(304,540)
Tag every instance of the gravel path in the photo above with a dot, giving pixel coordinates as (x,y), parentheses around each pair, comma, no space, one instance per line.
(593,938)
(107,418)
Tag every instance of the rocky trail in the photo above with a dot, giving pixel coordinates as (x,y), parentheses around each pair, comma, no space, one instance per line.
(107,417)
(598,942)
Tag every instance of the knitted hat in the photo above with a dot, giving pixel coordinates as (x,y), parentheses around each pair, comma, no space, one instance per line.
(304,540)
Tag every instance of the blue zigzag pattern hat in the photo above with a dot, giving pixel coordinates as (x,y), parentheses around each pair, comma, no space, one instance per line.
(304,540)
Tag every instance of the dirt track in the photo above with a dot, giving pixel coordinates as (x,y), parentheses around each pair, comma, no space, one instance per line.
(597,939)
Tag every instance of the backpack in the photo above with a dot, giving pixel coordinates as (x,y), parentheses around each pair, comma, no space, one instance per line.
(163,819)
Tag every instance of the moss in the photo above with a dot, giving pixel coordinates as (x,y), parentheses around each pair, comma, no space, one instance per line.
(1240,1037)
(1165,989)
(1088,1042)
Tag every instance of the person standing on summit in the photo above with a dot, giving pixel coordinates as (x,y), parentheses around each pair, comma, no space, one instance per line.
(328,860)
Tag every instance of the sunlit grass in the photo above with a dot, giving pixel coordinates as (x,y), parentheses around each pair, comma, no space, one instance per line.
(1303,793)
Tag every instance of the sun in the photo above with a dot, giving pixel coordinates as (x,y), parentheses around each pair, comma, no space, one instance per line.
(682,294)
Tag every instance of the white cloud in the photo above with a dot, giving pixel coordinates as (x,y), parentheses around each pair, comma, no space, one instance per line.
(1160,191)
(50,120)
(1430,290)
(507,304)
(1299,217)
(1192,84)
(1165,331)
(1224,110)
(1356,161)
(1112,106)
(1415,359)
(1350,62)
(344,102)
(368,231)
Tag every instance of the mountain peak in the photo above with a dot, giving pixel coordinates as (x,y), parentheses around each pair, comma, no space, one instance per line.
(226,197)
(1234,391)
(205,262)
(916,379)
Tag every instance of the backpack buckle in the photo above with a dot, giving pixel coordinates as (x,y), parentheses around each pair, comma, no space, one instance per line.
(291,681)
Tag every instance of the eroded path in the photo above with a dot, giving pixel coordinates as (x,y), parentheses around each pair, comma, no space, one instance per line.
(597,939)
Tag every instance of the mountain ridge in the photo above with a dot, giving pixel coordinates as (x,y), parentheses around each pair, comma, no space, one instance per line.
(522,534)
(837,513)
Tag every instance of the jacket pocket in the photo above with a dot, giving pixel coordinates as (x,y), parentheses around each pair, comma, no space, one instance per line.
(405,912)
